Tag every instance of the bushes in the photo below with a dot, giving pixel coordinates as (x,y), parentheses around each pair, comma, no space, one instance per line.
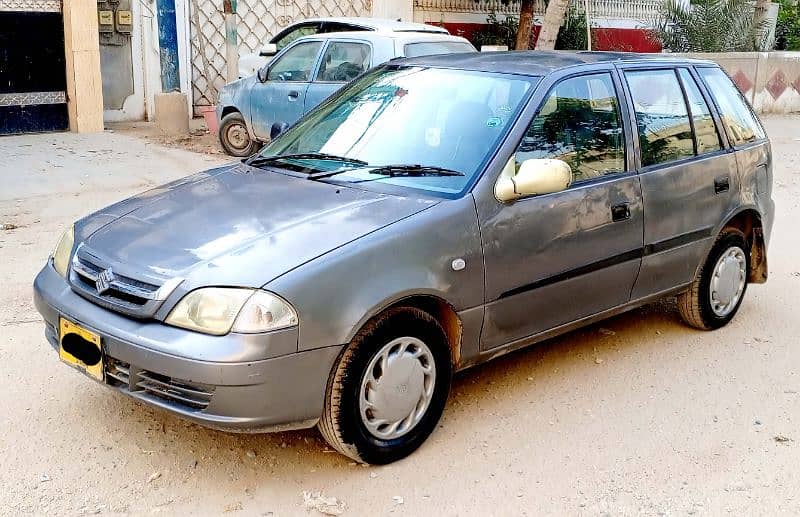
(787,31)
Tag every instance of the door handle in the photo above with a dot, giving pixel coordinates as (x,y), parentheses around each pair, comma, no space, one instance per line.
(293,95)
(722,184)
(620,212)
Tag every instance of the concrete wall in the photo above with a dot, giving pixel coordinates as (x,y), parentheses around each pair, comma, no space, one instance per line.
(769,80)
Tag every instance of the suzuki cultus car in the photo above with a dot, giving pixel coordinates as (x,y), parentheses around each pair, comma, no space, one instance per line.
(434,214)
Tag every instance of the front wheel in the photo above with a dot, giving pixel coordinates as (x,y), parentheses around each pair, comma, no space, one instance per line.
(718,290)
(234,137)
(389,387)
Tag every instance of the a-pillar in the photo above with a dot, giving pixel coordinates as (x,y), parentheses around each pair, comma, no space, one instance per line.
(82,49)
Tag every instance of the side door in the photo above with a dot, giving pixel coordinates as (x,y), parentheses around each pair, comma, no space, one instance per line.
(342,61)
(556,258)
(688,175)
(281,97)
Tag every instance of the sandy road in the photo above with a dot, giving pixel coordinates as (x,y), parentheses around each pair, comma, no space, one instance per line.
(636,415)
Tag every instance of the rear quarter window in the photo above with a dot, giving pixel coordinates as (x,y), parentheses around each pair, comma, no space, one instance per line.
(740,123)
(430,48)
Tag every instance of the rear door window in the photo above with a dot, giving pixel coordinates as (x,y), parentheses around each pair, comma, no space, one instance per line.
(344,61)
(705,131)
(665,133)
(737,117)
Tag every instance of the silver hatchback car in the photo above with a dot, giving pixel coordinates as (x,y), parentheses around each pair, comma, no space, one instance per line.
(434,214)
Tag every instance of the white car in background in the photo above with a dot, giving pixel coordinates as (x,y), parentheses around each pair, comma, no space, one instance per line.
(251,62)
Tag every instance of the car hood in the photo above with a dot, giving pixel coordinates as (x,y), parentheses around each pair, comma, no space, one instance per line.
(241,226)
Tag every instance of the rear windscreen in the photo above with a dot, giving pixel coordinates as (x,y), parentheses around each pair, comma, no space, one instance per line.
(429,48)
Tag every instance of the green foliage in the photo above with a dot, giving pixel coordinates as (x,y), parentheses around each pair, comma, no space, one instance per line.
(787,31)
(572,35)
(497,32)
(708,26)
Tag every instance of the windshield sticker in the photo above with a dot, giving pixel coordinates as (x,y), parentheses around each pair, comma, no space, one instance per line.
(494,122)
(433,136)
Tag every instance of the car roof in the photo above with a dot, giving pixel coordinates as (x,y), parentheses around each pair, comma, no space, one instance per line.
(404,37)
(538,62)
(381,24)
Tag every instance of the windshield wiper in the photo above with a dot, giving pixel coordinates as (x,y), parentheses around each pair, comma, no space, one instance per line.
(395,170)
(264,160)
(414,170)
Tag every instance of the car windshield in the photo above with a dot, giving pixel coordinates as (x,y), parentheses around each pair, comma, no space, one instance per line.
(409,117)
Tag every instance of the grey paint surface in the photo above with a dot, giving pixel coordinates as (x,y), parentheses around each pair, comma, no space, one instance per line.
(341,254)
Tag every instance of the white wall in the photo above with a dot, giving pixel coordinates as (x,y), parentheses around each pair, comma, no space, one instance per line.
(393,9)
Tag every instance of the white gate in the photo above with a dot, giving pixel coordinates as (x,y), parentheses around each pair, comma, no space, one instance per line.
(259,20)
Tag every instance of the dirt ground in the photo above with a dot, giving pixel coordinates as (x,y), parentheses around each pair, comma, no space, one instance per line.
(636,415)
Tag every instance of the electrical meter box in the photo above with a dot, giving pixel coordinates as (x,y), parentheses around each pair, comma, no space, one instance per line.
(115,22)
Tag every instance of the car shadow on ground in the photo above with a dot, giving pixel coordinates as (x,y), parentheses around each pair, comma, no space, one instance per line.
(519,376)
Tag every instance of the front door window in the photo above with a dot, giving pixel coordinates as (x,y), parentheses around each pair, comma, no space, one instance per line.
(579,123)
(296,64)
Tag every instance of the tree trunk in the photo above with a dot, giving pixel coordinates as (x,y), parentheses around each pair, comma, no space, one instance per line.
(760,21)
(525,25)
(553,19)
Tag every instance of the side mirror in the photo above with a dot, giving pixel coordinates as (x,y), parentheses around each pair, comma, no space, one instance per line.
(534,177)
(277,129)
(270,49)
(262,74)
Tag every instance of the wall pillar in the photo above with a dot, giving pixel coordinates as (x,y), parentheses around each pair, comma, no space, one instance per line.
(82,52)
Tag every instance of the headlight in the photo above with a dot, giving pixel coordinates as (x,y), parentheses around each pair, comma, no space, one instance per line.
(217,310)
(63,251)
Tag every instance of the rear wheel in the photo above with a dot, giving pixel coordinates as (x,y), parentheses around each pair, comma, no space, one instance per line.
(389,387)
(718,290)
(234,137)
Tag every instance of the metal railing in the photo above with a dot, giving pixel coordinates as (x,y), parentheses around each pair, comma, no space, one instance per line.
(622,9)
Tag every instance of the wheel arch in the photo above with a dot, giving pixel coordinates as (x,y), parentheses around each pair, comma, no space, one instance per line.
(748,221)
(439,308)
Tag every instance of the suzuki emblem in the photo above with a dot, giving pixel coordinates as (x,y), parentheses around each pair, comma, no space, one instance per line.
(104,279)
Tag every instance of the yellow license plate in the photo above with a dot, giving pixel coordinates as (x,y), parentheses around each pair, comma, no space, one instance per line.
(80,348)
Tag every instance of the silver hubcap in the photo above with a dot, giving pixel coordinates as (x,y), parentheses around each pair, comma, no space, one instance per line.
(397,388)
(728,281)
(237,136)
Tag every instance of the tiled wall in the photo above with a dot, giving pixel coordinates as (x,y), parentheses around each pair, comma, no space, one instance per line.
(769,80)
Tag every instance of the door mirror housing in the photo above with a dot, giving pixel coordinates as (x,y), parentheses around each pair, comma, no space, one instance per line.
(276,129)
(262,74)
(270,49)
(534,177)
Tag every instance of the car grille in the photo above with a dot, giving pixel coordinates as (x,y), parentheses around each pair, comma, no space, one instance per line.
(131,296)
(187,394)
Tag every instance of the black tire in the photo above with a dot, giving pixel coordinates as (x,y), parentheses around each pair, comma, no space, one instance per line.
(341,423)
(234,137)
(694,305)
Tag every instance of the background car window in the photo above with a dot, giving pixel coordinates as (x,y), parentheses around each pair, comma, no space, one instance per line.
(578,123)
(431,48)
(344,61)
(665,133)
(739,121)
(296,63)
(341,27)
(299,32)
(705,131)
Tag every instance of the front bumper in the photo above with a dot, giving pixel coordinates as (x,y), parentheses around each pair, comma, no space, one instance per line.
(243,383)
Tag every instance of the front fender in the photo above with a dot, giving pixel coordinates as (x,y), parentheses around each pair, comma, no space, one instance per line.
(337,293)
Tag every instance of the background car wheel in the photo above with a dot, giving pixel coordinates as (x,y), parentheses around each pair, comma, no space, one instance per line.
(388,388)
(718,290)
(234,137)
